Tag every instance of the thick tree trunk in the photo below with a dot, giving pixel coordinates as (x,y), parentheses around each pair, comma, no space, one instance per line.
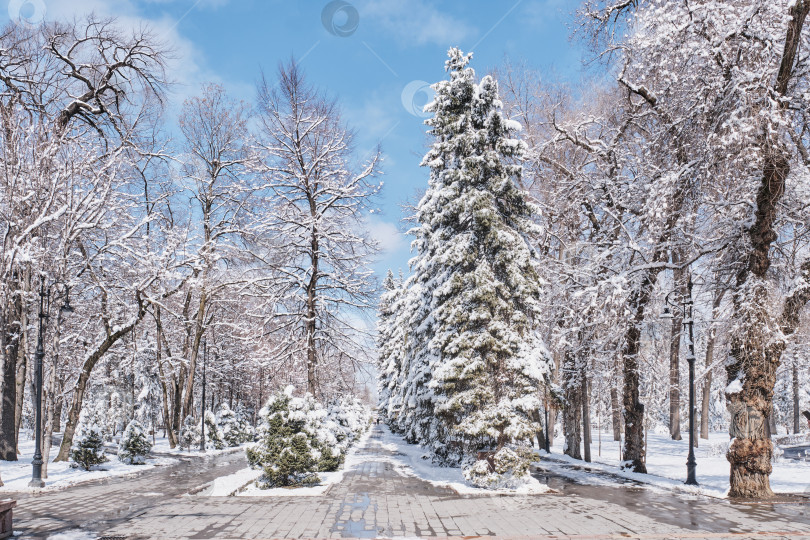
(22,373)
(572,410)
(755,353)
(634,452)
(675,356)
(22,365)
(10,343)
(84,377)
(616,414)
(586,418)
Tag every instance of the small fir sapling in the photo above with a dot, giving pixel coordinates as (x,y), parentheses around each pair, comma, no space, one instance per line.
(189,433)
(135,446)
(88,449)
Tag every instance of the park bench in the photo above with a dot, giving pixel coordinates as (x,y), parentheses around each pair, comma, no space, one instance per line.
(6,529)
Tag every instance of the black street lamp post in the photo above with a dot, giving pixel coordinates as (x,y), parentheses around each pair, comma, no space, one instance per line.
(39,355)
(202,423)
(36,475)
(686,305)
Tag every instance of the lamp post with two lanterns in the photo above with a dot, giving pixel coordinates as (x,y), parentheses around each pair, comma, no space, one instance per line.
(685,304)
(39,355)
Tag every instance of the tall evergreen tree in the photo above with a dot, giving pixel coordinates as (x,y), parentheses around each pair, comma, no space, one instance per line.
(476,363)
(386,345)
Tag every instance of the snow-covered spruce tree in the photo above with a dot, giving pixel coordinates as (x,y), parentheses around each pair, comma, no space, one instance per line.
(134,447)
(213,435)
(88,447)
(480,287)
(293,443)
(244,424)
(389,349)
(235,429)
(351,418)
(189,433)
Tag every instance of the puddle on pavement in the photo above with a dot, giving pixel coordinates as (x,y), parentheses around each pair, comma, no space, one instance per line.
(355,528)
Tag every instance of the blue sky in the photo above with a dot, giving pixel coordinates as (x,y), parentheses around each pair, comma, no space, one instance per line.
(377,70)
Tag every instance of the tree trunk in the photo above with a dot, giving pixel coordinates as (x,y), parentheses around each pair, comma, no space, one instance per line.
(796,415)
(312,297)
(675,356)
(50,396)
(586,418)
(572,410)
(10,343)
(634,453)
(22,373)
(616,413)
(84,376)
(706,399)
(162,377)
(199,329)
(57,410)
(755,354)
(22,364)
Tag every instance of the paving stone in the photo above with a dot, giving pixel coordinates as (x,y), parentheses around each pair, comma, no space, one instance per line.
(374,500)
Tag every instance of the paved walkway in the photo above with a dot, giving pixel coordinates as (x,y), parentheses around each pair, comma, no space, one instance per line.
(373,500)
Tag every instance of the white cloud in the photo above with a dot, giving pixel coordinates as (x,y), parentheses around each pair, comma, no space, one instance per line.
(391,240)
(415,22)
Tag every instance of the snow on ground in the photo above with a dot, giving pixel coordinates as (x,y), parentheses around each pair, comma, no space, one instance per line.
(406,459)
(161,446)
(230,484)
(413,460)
(666,465)
(73,534)
(17,474)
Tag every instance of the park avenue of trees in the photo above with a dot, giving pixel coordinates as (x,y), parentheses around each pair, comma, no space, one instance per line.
(553,223)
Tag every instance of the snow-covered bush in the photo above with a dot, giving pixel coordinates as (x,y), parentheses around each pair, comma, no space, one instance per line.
(296,441)
(134,446)
(508,468)
(234,426)
(213,435)
(352,415)
(88,445)
(189,433)
(244,424)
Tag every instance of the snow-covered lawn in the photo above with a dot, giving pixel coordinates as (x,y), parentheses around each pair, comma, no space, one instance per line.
(666,464)
(406,460)
(162,447)
(17,474)
(412,460)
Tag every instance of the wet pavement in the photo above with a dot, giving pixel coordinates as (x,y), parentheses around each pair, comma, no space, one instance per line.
(375,499)
(693,512)
(801,453)
(101,504)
